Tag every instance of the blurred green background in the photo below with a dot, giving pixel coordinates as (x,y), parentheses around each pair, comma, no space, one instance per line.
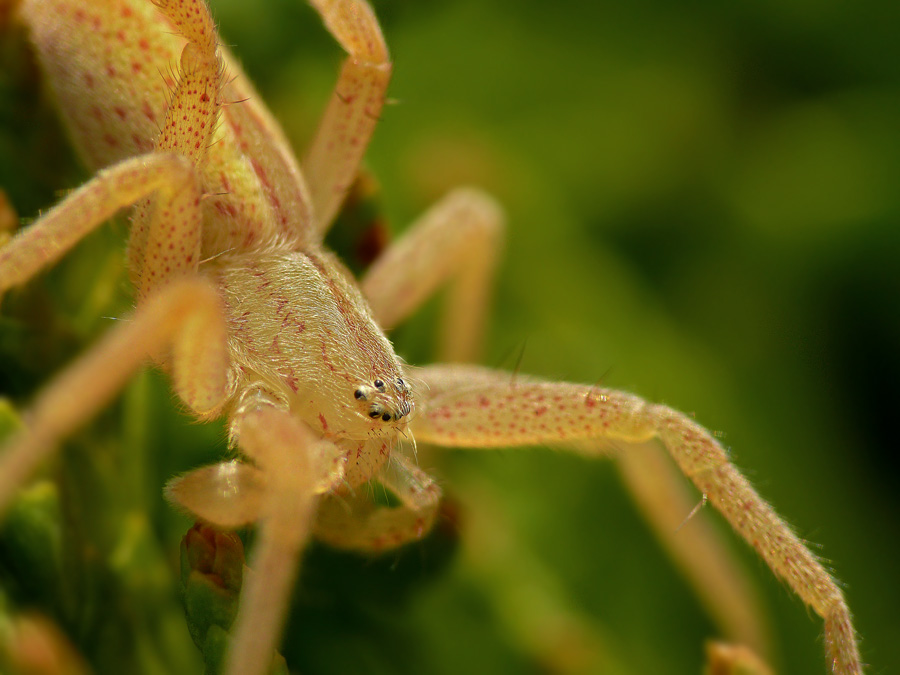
(703,209)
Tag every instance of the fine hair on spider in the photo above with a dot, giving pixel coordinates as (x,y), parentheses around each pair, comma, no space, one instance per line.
(257,322)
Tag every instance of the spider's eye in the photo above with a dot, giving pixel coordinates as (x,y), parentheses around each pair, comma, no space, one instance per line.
(399,381)
(359,394)
(373,414)
(379,385)
(386,417)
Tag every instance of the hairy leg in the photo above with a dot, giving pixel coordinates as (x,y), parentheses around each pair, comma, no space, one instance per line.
(279,444)
(718,578)
(185,315)
(459,237)
(170,176)
(332,161)
(495,411)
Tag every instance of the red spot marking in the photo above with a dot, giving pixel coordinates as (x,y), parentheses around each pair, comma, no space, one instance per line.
(89,80)
(136,67)
(323,421)
(540,411)
(292,382)
(110,140)
(249,238)
(326,360)
(261,173)
(589,402)
(110,71)
(143,44)
(126,12)
(226,208)
(483,401)
(120,111)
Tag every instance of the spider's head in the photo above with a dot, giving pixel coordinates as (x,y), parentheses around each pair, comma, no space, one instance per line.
(384,400)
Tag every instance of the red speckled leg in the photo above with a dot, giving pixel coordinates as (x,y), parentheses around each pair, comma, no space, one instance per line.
(169,176)
(696,546)
(279,444)
(332,161)
(477,408)
(460,236)
(186,315)
(165,236)
(353,521)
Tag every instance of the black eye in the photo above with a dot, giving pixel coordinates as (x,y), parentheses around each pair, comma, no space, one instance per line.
(379,385)
(358,394)
(400,381)
(386,417)
(374,414)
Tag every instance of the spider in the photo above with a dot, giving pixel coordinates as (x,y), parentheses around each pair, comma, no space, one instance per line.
(256,321)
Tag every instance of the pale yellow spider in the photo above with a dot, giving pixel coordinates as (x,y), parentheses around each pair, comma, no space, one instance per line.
(258,323)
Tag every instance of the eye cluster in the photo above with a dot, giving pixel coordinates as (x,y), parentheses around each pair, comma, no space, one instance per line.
(377,409)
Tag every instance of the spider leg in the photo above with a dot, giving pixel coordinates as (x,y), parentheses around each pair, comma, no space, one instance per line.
(495,412)
(459,236)
(170,176)
(722,657)
(253,126)
(716,575)
(160,247)
(227,494)
(185,315)
(333,158)
(353,521)
(279,444)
